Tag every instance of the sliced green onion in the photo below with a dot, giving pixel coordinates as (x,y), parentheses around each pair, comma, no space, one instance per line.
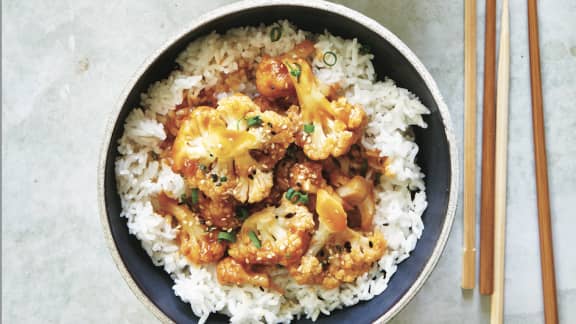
(329,58)
(309,128)
(295,70)
(254,121)
(227,236)
(214,177)
(223,179)
(275,33)
(242,213)
(194,196)
(302,197)
(182,199)
(202,167)
(290,193)
(254,239)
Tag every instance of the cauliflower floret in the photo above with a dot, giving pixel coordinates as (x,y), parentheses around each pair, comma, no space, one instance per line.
(274,235)
(359,193)
(327,127)
(337,254)
(231,272)
(217,150)
(273,78)
(219,212)
(196,243)
(307,176)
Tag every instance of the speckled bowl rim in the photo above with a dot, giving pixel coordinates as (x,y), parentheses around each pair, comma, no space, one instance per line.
(316,4)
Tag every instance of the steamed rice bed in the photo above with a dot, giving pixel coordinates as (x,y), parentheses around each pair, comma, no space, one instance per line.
(400,198)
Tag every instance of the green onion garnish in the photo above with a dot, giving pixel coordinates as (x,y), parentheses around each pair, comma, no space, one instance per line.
(275,34)
(309,128)
(302,198)
(223,179)
(182,199)
(227,236)
(290,193)
(202,167)
(242,213)
(194,196)
(329,58)
(295,70)
(254,239)
(254,121)
(214,177)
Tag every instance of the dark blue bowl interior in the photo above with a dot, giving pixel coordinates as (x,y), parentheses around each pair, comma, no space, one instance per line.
(433,157)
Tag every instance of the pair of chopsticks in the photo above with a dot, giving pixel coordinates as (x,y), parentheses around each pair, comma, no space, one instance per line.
(488,149)
(494,158)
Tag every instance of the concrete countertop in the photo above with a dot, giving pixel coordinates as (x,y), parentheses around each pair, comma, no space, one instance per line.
(65,62)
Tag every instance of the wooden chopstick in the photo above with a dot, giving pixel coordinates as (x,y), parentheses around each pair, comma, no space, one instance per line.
(469,242)
(488,141)
(502,93)
(545,228)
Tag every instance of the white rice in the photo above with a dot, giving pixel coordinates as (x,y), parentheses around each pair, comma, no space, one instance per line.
(391,110)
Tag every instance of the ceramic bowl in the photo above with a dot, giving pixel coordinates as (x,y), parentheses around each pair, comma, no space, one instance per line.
(437,155)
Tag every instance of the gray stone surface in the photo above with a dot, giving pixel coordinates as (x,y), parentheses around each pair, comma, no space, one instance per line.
(65,62)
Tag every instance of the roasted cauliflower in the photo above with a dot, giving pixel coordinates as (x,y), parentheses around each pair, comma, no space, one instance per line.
(358,192)
(337,254)
(232,272)
(273,78)
(198,244)
(231,149)
(219,212)
(274,235)
(326,127)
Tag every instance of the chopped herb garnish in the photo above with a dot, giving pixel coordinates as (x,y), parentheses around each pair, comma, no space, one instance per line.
(202,167)
(194,196)
(223,179)
(242,213)
(295,70)
(214,177)
(254,121)
(364,168)
(290,193)
(302,198)
(309,128)
(254,239)
(329,58)
(182,199)
(275,33)
(227,236)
